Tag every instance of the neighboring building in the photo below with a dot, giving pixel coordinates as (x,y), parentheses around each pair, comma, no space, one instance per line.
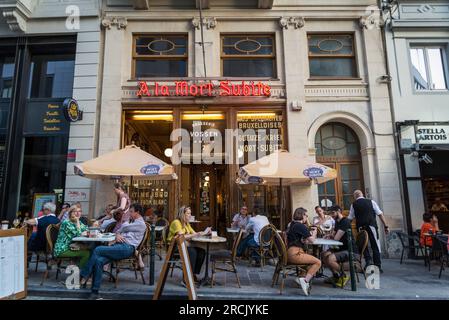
(417,42)
(325,67)
(49,51)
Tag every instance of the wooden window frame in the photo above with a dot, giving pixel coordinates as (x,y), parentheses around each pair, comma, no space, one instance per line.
(272,56)
(334,56)
(138,57)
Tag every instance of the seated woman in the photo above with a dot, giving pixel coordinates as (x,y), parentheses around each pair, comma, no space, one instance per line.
(322,220)
(430,226)
(181,226)
(69,229)
(297,236)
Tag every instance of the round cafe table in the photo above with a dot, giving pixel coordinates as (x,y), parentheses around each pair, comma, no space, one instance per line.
(208,240)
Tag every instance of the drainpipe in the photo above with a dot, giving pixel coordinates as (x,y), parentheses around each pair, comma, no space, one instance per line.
(399,159)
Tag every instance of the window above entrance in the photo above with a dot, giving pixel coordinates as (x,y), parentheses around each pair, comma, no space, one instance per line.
(160,56)
(248,56)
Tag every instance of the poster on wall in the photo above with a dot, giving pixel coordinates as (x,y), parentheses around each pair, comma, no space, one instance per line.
(40,199)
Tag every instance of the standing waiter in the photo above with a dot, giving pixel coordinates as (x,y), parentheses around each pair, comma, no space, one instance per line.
(365,211)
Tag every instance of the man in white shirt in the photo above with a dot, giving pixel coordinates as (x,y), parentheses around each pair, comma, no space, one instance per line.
(254,226)
(365,212)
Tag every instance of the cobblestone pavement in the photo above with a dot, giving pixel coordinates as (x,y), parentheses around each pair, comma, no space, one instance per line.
(411,280)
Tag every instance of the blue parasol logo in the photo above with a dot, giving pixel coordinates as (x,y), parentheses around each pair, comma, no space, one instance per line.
(313,172)
(151,170)
(254,179)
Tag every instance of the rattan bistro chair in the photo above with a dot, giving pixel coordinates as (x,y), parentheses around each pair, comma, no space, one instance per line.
(52,235)
(283,267)
(132,263)
(227,259)
(265,248)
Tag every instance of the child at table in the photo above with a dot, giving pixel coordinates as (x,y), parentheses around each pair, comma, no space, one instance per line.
(429,226)
(69,229)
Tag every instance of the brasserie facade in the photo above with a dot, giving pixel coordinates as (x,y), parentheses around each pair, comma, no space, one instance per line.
(306,78)
(181,79)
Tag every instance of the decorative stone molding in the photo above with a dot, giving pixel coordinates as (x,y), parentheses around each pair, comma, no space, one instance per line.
(208,22)
(373,21)
(15,20)
(296,22)
(119,22)
(336,93)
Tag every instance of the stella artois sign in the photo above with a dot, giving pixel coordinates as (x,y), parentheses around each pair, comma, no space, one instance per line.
(209,89)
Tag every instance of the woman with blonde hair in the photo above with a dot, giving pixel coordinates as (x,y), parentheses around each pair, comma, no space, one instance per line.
(181,226)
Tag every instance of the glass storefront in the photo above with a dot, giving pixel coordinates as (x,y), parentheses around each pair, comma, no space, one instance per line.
(207,172)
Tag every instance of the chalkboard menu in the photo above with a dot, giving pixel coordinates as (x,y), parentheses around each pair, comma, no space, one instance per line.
(45,118)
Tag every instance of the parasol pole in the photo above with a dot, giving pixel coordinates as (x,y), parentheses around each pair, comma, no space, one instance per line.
(281,191)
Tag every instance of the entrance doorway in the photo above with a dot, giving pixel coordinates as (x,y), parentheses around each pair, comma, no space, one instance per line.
(338,147)
(203,188)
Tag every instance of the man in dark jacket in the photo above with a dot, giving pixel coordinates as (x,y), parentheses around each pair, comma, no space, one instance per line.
(365,212)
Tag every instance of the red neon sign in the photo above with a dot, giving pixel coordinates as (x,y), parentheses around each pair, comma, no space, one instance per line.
(225,88)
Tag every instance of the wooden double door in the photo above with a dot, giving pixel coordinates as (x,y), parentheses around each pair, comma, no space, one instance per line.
(340,191)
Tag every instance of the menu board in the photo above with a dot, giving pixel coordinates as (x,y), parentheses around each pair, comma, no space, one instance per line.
(45,118)
(12,264)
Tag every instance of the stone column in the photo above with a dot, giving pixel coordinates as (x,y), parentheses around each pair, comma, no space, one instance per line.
(295,66)
(111,105)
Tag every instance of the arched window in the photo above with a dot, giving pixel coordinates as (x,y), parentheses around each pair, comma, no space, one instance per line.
(337,146)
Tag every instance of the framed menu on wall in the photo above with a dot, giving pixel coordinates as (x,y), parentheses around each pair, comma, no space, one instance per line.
(40,199)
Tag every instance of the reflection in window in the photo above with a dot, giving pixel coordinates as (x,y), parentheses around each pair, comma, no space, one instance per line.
(7,73)
(427,68)
(332,56)
(52,78)
(248,56)
(160,56)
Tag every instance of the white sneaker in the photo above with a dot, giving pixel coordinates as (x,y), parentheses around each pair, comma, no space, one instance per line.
(304,285)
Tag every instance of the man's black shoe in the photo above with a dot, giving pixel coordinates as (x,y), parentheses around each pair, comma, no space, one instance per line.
(94,296)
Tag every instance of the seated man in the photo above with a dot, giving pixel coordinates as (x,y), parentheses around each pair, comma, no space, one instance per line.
(331,259)
(255,224)
(38,240)
(429,226)
(240,219)
(128,238)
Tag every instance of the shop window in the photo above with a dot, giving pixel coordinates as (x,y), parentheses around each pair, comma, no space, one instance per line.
(150,130)
(332,56)
(44,168)
(52,77)
(262,134)
(248,56)
(160,56)
(428,69)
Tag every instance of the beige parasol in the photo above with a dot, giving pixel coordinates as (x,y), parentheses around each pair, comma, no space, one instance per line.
(130,162)
(282,167)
